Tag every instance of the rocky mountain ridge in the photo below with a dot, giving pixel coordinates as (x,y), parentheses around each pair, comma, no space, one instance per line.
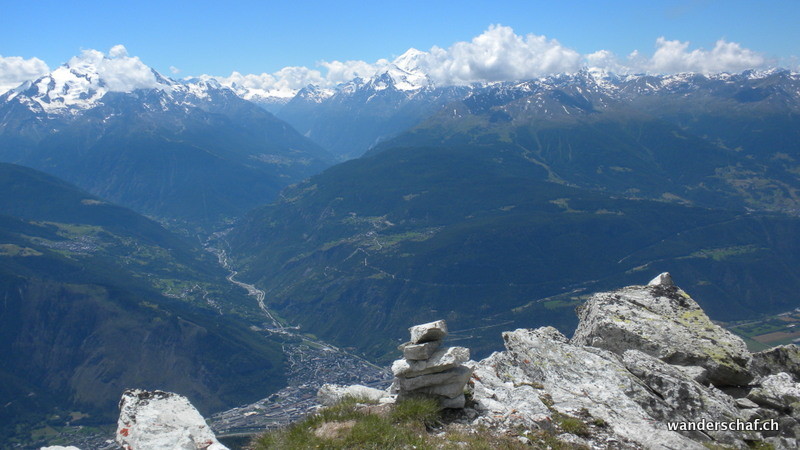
(372,110)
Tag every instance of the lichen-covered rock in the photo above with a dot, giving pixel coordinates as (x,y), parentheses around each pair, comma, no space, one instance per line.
(578,378)
(427,332)
(686,398)
(785,358)
(779,392)
(162,420)
(664,322)
(441,360)
(331,394)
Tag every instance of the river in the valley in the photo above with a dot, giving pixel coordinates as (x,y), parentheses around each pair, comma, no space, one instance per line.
(311,363)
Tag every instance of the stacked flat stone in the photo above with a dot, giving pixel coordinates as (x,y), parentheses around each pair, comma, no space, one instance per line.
(427,369)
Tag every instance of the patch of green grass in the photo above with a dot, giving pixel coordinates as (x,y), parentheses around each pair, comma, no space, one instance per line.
(407,424)
(761,445)
(480,438)
(721,254)
(561,303)
(16,250)
(598,422)
(345,425)
(423,410)
(572,425)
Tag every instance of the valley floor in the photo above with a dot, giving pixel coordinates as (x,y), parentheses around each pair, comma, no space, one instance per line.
(312,363)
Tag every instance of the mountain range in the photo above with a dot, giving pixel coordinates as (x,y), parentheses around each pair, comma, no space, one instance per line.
(193,154)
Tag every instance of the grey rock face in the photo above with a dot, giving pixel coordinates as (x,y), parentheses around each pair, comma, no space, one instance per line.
(785,358)
(455,403)
(574,378)
(778,392)
(664,322)
(427,332)
(504,395)
(685,397)
(459,374)
(643,359)
(419,352)
(441,360)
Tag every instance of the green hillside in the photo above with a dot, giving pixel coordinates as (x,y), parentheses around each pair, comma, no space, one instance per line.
(477,234)
(97,299)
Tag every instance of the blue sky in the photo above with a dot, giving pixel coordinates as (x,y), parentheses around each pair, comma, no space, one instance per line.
(217,38)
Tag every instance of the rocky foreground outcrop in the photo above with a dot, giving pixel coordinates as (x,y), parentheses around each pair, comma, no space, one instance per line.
(162,420)
(645,368)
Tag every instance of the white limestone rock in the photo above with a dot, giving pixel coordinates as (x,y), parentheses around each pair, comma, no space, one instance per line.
(331,394)
(664,322)
(426,332)
(441,360)
(663,279)
(162,420)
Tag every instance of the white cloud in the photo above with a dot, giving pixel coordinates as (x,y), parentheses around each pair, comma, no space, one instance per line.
(118,51)
(672,56)
(606,60)
(120,72)
(174,70)
(499,54)
(15,70)
(340,72)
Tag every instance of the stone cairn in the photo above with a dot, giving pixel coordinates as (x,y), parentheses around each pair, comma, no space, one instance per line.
(430,371)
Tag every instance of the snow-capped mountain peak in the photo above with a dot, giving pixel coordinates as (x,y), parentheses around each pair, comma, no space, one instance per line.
(410,61)
(406,71)
(81,82)
(315,94)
